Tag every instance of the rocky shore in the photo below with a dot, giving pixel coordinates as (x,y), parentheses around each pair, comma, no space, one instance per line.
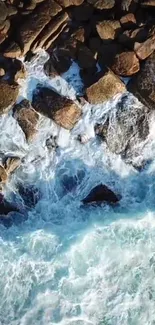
(108,39)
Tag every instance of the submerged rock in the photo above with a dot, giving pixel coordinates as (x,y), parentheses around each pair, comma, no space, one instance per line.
(60,109)
(101,193)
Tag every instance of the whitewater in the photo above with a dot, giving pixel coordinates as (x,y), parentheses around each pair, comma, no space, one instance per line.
(68,264)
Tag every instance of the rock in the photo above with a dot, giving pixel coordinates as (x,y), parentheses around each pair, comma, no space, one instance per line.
(105,88)
(27,118)
(102,4)
(79,34)
(11,163)
(143,85)
(85,57)
(68,3)
(88,76)
(3,11)
(3,175)
(129,37)
(18,70)
(126,64)
(108,52)
(83,12)
(145,49)
(148,3)
(108,30)
(128,21)
(128,5)
(95,44)
(62,110)
(51,32)
(8,95)
(36,22)
(2,72)
(11,10)
(6,27)
(12,51)
(29,194)
(126,127)
(101,193)
(49,68)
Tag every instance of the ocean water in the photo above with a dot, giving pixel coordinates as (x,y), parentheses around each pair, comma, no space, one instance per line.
(68,264)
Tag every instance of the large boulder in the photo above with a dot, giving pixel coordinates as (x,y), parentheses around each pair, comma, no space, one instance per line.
(105,88)
(8,95)
(27,118)
(143,85)
(126,127)
(101,193)
(126,64)
(60,109)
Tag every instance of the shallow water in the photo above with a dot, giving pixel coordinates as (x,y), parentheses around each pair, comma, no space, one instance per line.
(67,264)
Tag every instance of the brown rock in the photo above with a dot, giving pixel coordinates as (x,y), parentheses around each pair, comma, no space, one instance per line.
(59,108)
(3,11)
(83,12)
(79,34)
(128,5)
(35,23)
(11,10)
(108,30)
(126,64)
(49,68)
(2,72)
(27,118)
(143,50)
(3,175)
(31,5)
(6,27)
(148,3)
(102,4)
(68,3)
(52,29)
(129,37)
(12,51)
(8,95)
(105,88)
(85,57)
(12,163)
(128,21)
(143,85)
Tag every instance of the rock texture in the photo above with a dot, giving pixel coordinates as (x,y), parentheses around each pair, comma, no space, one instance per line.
(126,64)
(105,88)
(60,109)
(101,193)
(8,95)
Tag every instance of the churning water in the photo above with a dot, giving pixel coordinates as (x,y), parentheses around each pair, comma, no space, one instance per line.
(67,264)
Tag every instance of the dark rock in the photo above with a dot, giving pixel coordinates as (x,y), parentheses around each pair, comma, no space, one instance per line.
(102,4)
(128,21)
(143,85)
(83,12)
(101,193)
(88,76)
(29,194)
(85,57)
(105,88)
(59,108)
(129,37)
(8,95)
(126,64)
(27,118)
(108,52)
(148,3)
(128,5)
(3,11)
(68,3)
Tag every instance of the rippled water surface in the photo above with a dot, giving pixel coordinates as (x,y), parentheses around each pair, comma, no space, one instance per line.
(67,264)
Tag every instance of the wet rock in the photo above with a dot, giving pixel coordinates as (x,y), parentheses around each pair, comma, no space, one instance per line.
(2,72)
(49,68)
(126,64)
(143,85)
(126,127)
(3,175)
(11,164)
(12,51)
(8,95)
(79,34)
(144,50)
(148,3)
(95,44)
(5,28)
(85,57)
(105,88)
(27,118)
(101,193)
(11,10)
(108,30)
(129,5)
(108,52)
(129,37)
(29,194)
(128,21)
(3,11)
(102,4)
(83,12)
(51,143)
(59,108)
(68,3)
(88,76)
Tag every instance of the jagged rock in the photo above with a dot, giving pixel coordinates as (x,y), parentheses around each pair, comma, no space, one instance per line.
(143,85)
(35,23)
(145,49)
(126,64)
(128,21)
(108,52)
(11,10)
(68,3)
(126,127)
(83,12)
(79,34)
(59,108)
(105,88)
(85,57)
(8,95)
(95,44)
(88,76)
(128,5)
(102,4)
(2,72)
(3,11)
(6,27)
(12,51)
(49,68)
(108,30)
(101,193)
(27,118)
(52,31)
(11,163)
(3,175)
(31,5)
(148,3)
(129,37)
